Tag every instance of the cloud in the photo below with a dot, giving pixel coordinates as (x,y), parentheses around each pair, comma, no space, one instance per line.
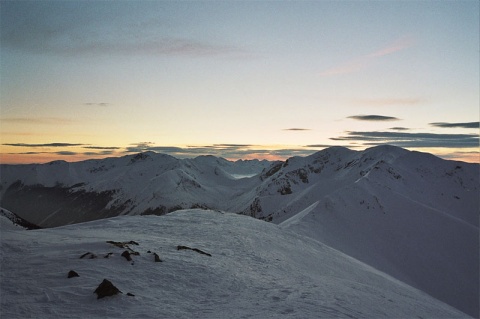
(397,45)
(44,145)
(456,125)
(76,29)
(373,118)
(102,147)
(40,120)
(29,153)
(412,139)
(362,62)
(66,153)
(103,152)
(138,147)
(347,67)
(296,129)
(398,128)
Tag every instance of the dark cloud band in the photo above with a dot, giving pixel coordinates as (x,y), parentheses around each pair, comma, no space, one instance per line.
(44,145)
(102,147)
(373,118)
(456,125)
(412,139)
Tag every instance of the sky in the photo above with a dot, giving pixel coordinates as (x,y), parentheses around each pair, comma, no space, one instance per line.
(249,79)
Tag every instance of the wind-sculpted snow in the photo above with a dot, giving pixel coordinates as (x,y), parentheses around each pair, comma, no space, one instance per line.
(247,269)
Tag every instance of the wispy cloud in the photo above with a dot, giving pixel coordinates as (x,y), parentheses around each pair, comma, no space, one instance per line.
(296,129)
(40,27)
(66,153)
(399,128)
(138,147)
(397,45)
(456,125)
(362,62)
(102,147)
(44,145)
(403,139)
(99,153)
(352,66)
(39,120)
(373,118)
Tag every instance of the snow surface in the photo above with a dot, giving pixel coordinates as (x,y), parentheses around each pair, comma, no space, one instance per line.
(256,270)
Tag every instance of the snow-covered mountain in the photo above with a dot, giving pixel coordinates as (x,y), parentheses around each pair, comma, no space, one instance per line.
(253,269)
(60,193)
(408,214)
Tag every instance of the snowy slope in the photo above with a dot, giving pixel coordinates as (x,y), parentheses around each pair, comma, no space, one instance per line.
(256,270)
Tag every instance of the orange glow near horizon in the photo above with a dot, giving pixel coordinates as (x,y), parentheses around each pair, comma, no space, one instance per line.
(184,87)
(8,155)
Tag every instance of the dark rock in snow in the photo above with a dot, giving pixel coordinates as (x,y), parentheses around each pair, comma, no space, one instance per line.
(72,273)
(127,256)
(130,294)
(157,258)
(89,255)
(180,247)
(105,289)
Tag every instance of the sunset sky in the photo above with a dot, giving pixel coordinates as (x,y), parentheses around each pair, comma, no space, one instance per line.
(260,79)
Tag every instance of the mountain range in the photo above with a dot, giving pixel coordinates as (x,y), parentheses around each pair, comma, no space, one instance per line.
(410,215)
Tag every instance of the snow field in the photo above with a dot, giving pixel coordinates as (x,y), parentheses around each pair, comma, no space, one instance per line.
(257,270)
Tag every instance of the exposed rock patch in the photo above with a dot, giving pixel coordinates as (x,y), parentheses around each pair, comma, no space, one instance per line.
(106,289)
(157,258)
(88,255)
(180,247)
(127,256)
